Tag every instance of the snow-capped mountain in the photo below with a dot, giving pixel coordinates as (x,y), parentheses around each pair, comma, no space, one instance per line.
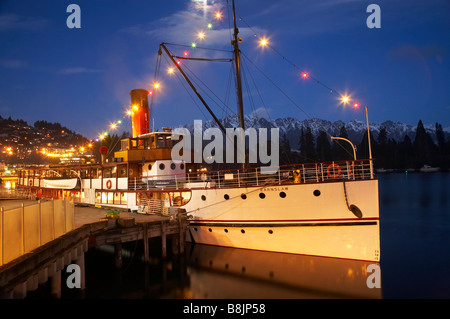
(355,129)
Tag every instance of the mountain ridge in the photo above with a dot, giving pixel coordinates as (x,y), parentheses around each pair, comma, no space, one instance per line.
(291,127)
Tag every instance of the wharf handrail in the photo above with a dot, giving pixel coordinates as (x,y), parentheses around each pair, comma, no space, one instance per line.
(285,174)
(26,228)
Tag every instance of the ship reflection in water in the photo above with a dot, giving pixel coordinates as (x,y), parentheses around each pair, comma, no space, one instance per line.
(220,273)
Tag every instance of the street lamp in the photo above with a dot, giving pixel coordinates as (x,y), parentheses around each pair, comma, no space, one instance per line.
(370,149)
(344,139)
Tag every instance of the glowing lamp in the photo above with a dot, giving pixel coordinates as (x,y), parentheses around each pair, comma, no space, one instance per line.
(170,70)
(263,42)
(345,99)
(218,15)
(185,53)
(356,105)
(201,35)
(305,75)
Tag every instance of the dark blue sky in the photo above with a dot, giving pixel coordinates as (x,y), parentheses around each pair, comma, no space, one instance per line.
(82,77)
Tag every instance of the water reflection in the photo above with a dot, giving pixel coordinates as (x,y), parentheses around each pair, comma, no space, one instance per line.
(220,272)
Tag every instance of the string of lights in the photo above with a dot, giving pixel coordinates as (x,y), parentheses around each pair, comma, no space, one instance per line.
(264,42)
(201,36)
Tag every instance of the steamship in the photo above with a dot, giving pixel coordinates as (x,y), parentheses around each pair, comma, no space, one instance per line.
(323,209)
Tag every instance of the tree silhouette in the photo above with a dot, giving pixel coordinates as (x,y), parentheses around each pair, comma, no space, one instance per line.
(323,147)
(307,148)
(423,147)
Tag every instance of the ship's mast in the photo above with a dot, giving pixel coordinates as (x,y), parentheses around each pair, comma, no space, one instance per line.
(237,63)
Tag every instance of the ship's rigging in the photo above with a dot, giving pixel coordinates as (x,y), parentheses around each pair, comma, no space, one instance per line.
(240,65)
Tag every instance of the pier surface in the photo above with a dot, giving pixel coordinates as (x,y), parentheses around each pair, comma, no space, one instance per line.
(87,214)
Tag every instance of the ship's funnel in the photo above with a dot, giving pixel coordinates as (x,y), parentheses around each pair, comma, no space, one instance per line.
(140,117)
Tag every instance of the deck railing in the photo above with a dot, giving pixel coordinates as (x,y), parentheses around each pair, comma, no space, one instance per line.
(287,174)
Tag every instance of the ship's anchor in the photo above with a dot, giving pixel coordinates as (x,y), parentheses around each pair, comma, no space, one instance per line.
(353,208)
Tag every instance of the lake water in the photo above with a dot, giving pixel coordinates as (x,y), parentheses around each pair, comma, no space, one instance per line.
(415,259)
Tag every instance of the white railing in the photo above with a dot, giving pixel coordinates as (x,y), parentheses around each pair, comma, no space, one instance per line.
(287,174)
(153,206)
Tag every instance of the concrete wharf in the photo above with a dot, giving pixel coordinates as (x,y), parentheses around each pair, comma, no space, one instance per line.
(91,229)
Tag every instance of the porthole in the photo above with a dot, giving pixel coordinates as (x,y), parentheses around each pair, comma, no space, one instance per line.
(162,166)
(243,231)
(195,228)
(203,197)
(149,167)
(209,229)
(282,194)
(182,166)
(262,195)
(172,166)
(226,196)
(243,196)
(270,231)
(225,230)
(316,193)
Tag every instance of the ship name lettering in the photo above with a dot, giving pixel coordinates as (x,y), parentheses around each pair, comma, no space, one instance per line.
(275,189)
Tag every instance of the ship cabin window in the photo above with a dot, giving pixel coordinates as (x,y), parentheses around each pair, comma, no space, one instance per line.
(96,173)
(125,144)
(85,173)
(122,171)
(163,141)
(110,172)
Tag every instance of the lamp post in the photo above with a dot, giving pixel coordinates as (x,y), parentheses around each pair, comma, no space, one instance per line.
(344,139)
(370,148)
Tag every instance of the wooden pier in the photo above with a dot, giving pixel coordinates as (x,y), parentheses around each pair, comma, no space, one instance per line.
(92,229)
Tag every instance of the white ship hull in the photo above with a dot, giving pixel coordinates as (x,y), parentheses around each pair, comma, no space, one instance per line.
(319,214)
(299,223)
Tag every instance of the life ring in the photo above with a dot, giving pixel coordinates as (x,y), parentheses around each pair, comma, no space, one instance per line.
(350,168)
(108,184)
(332,166)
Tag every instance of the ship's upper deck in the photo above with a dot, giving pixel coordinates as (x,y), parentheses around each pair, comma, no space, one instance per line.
(149,147)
